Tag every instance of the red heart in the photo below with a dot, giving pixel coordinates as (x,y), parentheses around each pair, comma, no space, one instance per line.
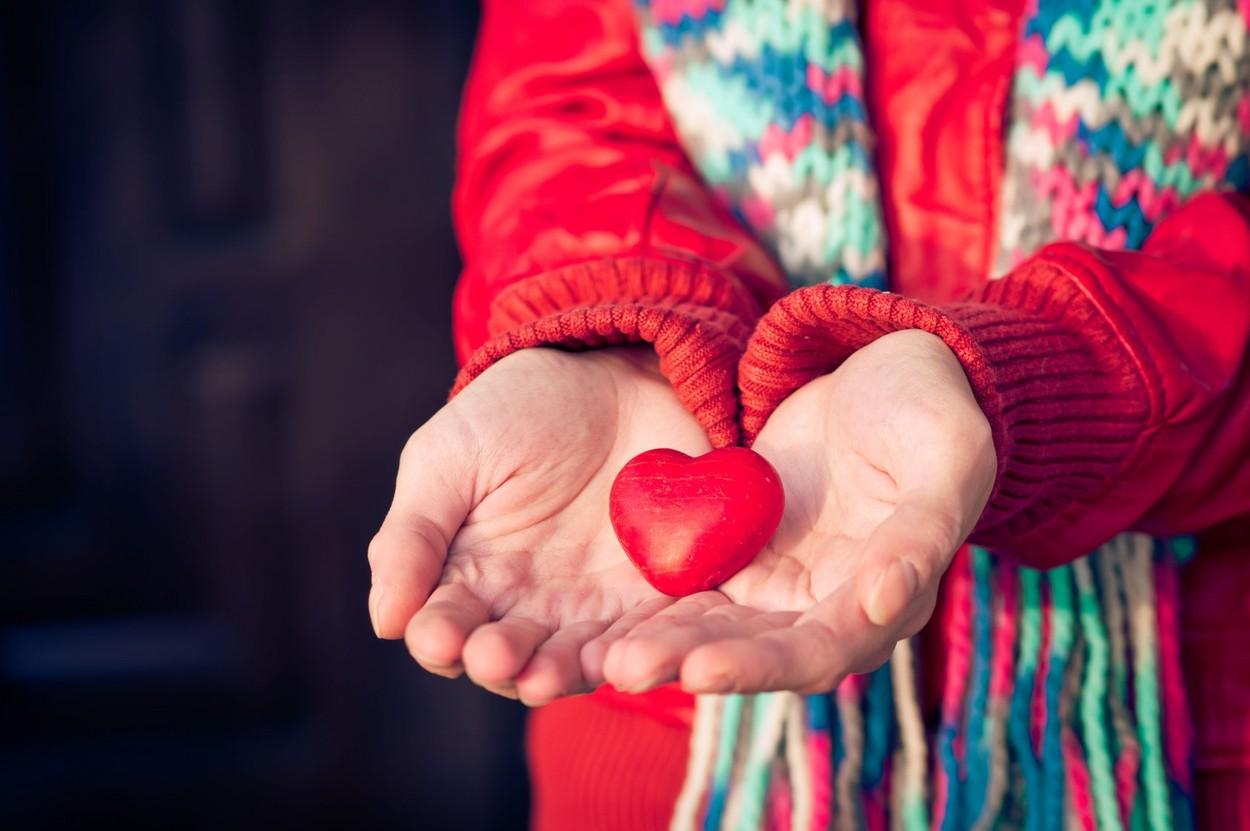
(688,523)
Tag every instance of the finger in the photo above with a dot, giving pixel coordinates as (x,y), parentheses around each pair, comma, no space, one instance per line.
(433,495)
(685,607)
(595,652)
(804,657)
(437,633)
(495,653)
(852,630)
(556,668)
(905,559)
(407,560)
(822,647)
(833,639)
(652,654)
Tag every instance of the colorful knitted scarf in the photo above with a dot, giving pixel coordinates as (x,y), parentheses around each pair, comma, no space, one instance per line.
(1062,700)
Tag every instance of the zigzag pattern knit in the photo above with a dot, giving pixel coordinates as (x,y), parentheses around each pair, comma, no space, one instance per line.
(767,96)
(1121,111)
(1062,705)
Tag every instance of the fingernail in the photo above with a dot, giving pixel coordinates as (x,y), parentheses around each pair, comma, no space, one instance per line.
(718,683)
(646,684)
(893,590)
(375,603)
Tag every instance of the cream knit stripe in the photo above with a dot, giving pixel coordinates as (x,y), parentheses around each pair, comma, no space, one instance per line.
(796,760)
(707,715)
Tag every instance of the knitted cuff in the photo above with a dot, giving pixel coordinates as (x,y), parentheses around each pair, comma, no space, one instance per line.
(695,316)
(1062,395)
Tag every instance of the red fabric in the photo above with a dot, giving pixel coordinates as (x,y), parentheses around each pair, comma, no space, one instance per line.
(603,768)
(580,220)
(1116,383)
(694,315)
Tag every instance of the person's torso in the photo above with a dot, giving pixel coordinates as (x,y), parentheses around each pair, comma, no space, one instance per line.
(938,77)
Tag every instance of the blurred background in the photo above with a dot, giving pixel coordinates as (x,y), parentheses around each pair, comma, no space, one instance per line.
(226,266)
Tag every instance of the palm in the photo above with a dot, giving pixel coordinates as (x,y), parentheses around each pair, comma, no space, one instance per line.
(539,544)
(836,499)
(886,463)
(529,567)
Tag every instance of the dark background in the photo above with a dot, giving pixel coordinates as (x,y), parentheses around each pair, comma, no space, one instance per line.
(227,268)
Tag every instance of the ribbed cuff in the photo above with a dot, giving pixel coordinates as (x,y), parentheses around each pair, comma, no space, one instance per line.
(1071,405)
(696,317)
(1062,395)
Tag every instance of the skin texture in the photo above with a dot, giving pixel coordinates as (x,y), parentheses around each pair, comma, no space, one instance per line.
(497,558)
(887,463)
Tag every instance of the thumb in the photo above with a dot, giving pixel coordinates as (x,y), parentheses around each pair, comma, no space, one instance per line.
(433,495)
(905,559)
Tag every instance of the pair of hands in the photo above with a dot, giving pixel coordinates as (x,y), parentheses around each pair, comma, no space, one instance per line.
(497,559)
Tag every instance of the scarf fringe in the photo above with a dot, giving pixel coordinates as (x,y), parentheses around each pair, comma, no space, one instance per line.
(1062,708)
(1062,705)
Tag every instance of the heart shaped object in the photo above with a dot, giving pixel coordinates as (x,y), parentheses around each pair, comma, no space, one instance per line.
(690,523)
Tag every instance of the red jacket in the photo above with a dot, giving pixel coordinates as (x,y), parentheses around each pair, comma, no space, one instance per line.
(1117,384)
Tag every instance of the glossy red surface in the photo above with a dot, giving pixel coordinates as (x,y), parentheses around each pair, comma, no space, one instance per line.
(690,523)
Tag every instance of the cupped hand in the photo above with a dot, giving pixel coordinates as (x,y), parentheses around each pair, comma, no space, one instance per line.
(887,464)
(497,558)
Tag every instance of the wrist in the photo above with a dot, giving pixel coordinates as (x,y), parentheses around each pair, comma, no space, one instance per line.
(638,360)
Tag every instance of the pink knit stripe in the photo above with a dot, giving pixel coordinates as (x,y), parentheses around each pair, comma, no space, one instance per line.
(877,807)
(1033,55)
(830,86)
(758,212)
(1059,130)
(776,140)
(1154,201)
(958,625)
(778,818)
(672,11)
(1206,160)
(1002,672)
(1038,714)
(1079,795)
(820,766)
(1126,768)
(1072,215)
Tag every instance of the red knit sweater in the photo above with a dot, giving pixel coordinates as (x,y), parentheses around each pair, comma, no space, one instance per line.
(1117,384)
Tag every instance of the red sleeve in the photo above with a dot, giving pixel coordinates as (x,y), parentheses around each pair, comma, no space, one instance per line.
(1117,384)
(580,220)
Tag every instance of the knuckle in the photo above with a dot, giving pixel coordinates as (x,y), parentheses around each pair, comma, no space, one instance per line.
(824,681)
(450,673)
(376,553)
(823,684)
(938,533)
(414,447)
(873,660)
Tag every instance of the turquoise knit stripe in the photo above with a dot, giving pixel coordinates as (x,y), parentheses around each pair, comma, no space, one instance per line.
(731,719)
(1119,111)
(1093,709)
(1030,640)
(737,76)
(1062,631)
(976,752)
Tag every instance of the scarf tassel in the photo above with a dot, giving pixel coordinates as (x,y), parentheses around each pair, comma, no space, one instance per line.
(1062,708)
